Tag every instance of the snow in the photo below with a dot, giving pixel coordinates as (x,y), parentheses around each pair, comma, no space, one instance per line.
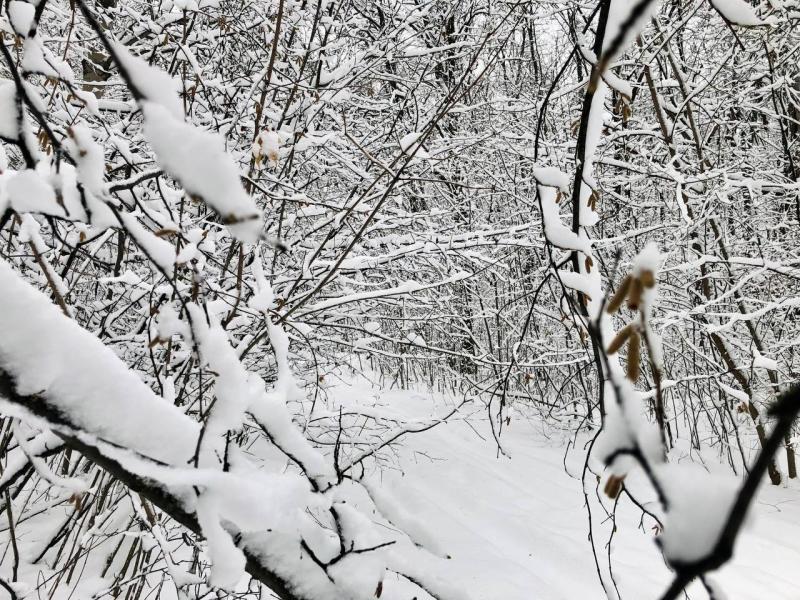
(699,505)
(267,145)
(513,526)
(405,520)
(734,393)
(36,58)
(49,353)
(551,177)
(406,287)
(372,327)
(763,362)
(410,144)
(408,140)
(358,532)
(233,386)
(89,100)
(219,369)
(578,282)
(329,76)
(21,16)
(625,427)
(738,12)
(89,158)
(152,83)
(197,159)
(555,231)
(238,391)
(27,191)
(618,12)
(646,266)
(491,527)
(160,251)
(227,561)
(9,127)
(415,50)
(16,461)
(649,259)
(29,233)
(74,485)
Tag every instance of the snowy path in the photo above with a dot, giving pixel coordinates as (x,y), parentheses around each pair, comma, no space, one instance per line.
(517,528)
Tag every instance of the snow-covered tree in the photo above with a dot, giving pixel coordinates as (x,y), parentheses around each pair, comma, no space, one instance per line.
(584,215)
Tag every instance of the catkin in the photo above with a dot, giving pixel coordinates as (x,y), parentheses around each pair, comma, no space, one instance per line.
(633,357)
(613,486)
(619,296)
(635,295)
(619,339)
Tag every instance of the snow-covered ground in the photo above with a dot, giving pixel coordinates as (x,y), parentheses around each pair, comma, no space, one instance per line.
(516,528)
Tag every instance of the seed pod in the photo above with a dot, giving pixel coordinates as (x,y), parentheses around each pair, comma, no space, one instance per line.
(633,357)
(558,197)
(613,486)
(635,294)
(648,279)
(588,264)
(619,339)
(619,297)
